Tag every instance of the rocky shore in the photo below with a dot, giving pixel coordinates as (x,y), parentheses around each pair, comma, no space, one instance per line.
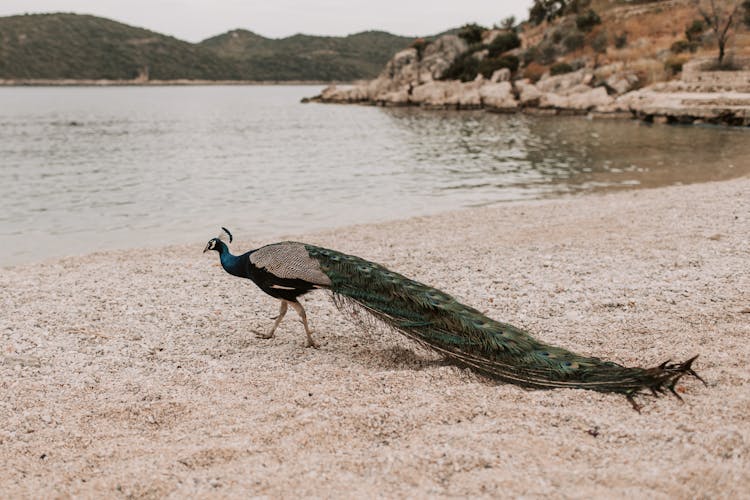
(414,79)
(138,374)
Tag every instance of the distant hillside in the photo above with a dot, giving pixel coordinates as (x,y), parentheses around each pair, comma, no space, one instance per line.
(304,57)
(61,46)
(88,47)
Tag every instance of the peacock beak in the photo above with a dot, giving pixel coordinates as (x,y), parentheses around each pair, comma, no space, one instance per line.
(208,247)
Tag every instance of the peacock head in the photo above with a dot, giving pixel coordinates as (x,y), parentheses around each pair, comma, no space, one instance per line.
(218,242)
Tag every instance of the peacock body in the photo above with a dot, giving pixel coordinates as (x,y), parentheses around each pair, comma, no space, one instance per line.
(464,335)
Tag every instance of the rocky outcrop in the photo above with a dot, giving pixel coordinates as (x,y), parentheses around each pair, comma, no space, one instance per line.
(581,98)
(667,103)
(409,71)
(438,57)
(528,94)
(448,94)
(498,96)
(414,79)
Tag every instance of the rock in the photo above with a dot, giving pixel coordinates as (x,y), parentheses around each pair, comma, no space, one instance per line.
(402,67)
(590,99)
(434,94)
(661,104)
(621,83)
(563,84)
(448,94)
(577,89)
(344,93)
(469,96)
(581,100)
(528,94)
(398,97)
(498,96)
(500,75)
(439,55)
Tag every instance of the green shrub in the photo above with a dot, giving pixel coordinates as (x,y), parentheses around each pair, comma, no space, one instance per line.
(503,43)
(464,68)
(576,6)
(489,65)
(587,20)
(546,53)
(600,42)
(694,31)
(560,68)
(530,55)
(546,10)
(574,41)
(681,46)
(746,13)
(472,33)
(621,40)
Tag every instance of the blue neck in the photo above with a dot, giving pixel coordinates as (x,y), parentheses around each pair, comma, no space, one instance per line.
(231,263)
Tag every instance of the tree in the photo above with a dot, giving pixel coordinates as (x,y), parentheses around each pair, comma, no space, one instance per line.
(509,23)
(503,43)
(586,21)
(720,19)
(472,33)
(546,10)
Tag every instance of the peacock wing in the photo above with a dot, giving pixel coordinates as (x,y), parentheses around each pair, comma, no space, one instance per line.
(290,260)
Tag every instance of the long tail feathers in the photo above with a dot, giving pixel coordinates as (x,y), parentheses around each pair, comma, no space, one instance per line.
(467,337)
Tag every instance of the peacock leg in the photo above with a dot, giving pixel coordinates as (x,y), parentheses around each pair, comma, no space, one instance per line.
(282,312)
(301,311)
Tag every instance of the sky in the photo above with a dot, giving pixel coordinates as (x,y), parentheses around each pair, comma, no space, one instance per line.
(195,20)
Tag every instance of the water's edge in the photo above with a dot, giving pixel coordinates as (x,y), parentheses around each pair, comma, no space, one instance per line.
(88,169)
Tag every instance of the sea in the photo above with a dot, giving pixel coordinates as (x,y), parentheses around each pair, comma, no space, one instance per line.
(85,169)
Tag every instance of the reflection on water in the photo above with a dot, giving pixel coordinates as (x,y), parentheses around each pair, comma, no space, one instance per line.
(84,169)
(498,157)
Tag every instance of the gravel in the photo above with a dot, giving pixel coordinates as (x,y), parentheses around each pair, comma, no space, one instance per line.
(137,373)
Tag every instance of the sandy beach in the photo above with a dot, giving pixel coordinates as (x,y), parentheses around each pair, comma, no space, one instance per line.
(138,374)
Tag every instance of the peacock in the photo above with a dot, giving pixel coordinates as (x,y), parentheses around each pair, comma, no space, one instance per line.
(288,270)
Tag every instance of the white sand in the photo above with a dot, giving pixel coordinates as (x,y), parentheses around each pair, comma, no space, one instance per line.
(136,373)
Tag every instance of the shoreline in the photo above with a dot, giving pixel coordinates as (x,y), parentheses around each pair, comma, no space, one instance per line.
(659,104)
(73,82)
(136,372)
(50,259)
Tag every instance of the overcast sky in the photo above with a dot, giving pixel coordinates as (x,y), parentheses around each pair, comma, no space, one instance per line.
(195,20)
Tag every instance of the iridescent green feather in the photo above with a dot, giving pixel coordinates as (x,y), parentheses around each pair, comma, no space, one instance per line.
(468,337)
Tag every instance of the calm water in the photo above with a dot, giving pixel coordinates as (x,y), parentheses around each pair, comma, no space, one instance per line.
(84,169)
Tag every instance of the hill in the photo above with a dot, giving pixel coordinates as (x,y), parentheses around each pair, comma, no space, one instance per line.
(74,46)
(652,39)
(87,47)
(305,57)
